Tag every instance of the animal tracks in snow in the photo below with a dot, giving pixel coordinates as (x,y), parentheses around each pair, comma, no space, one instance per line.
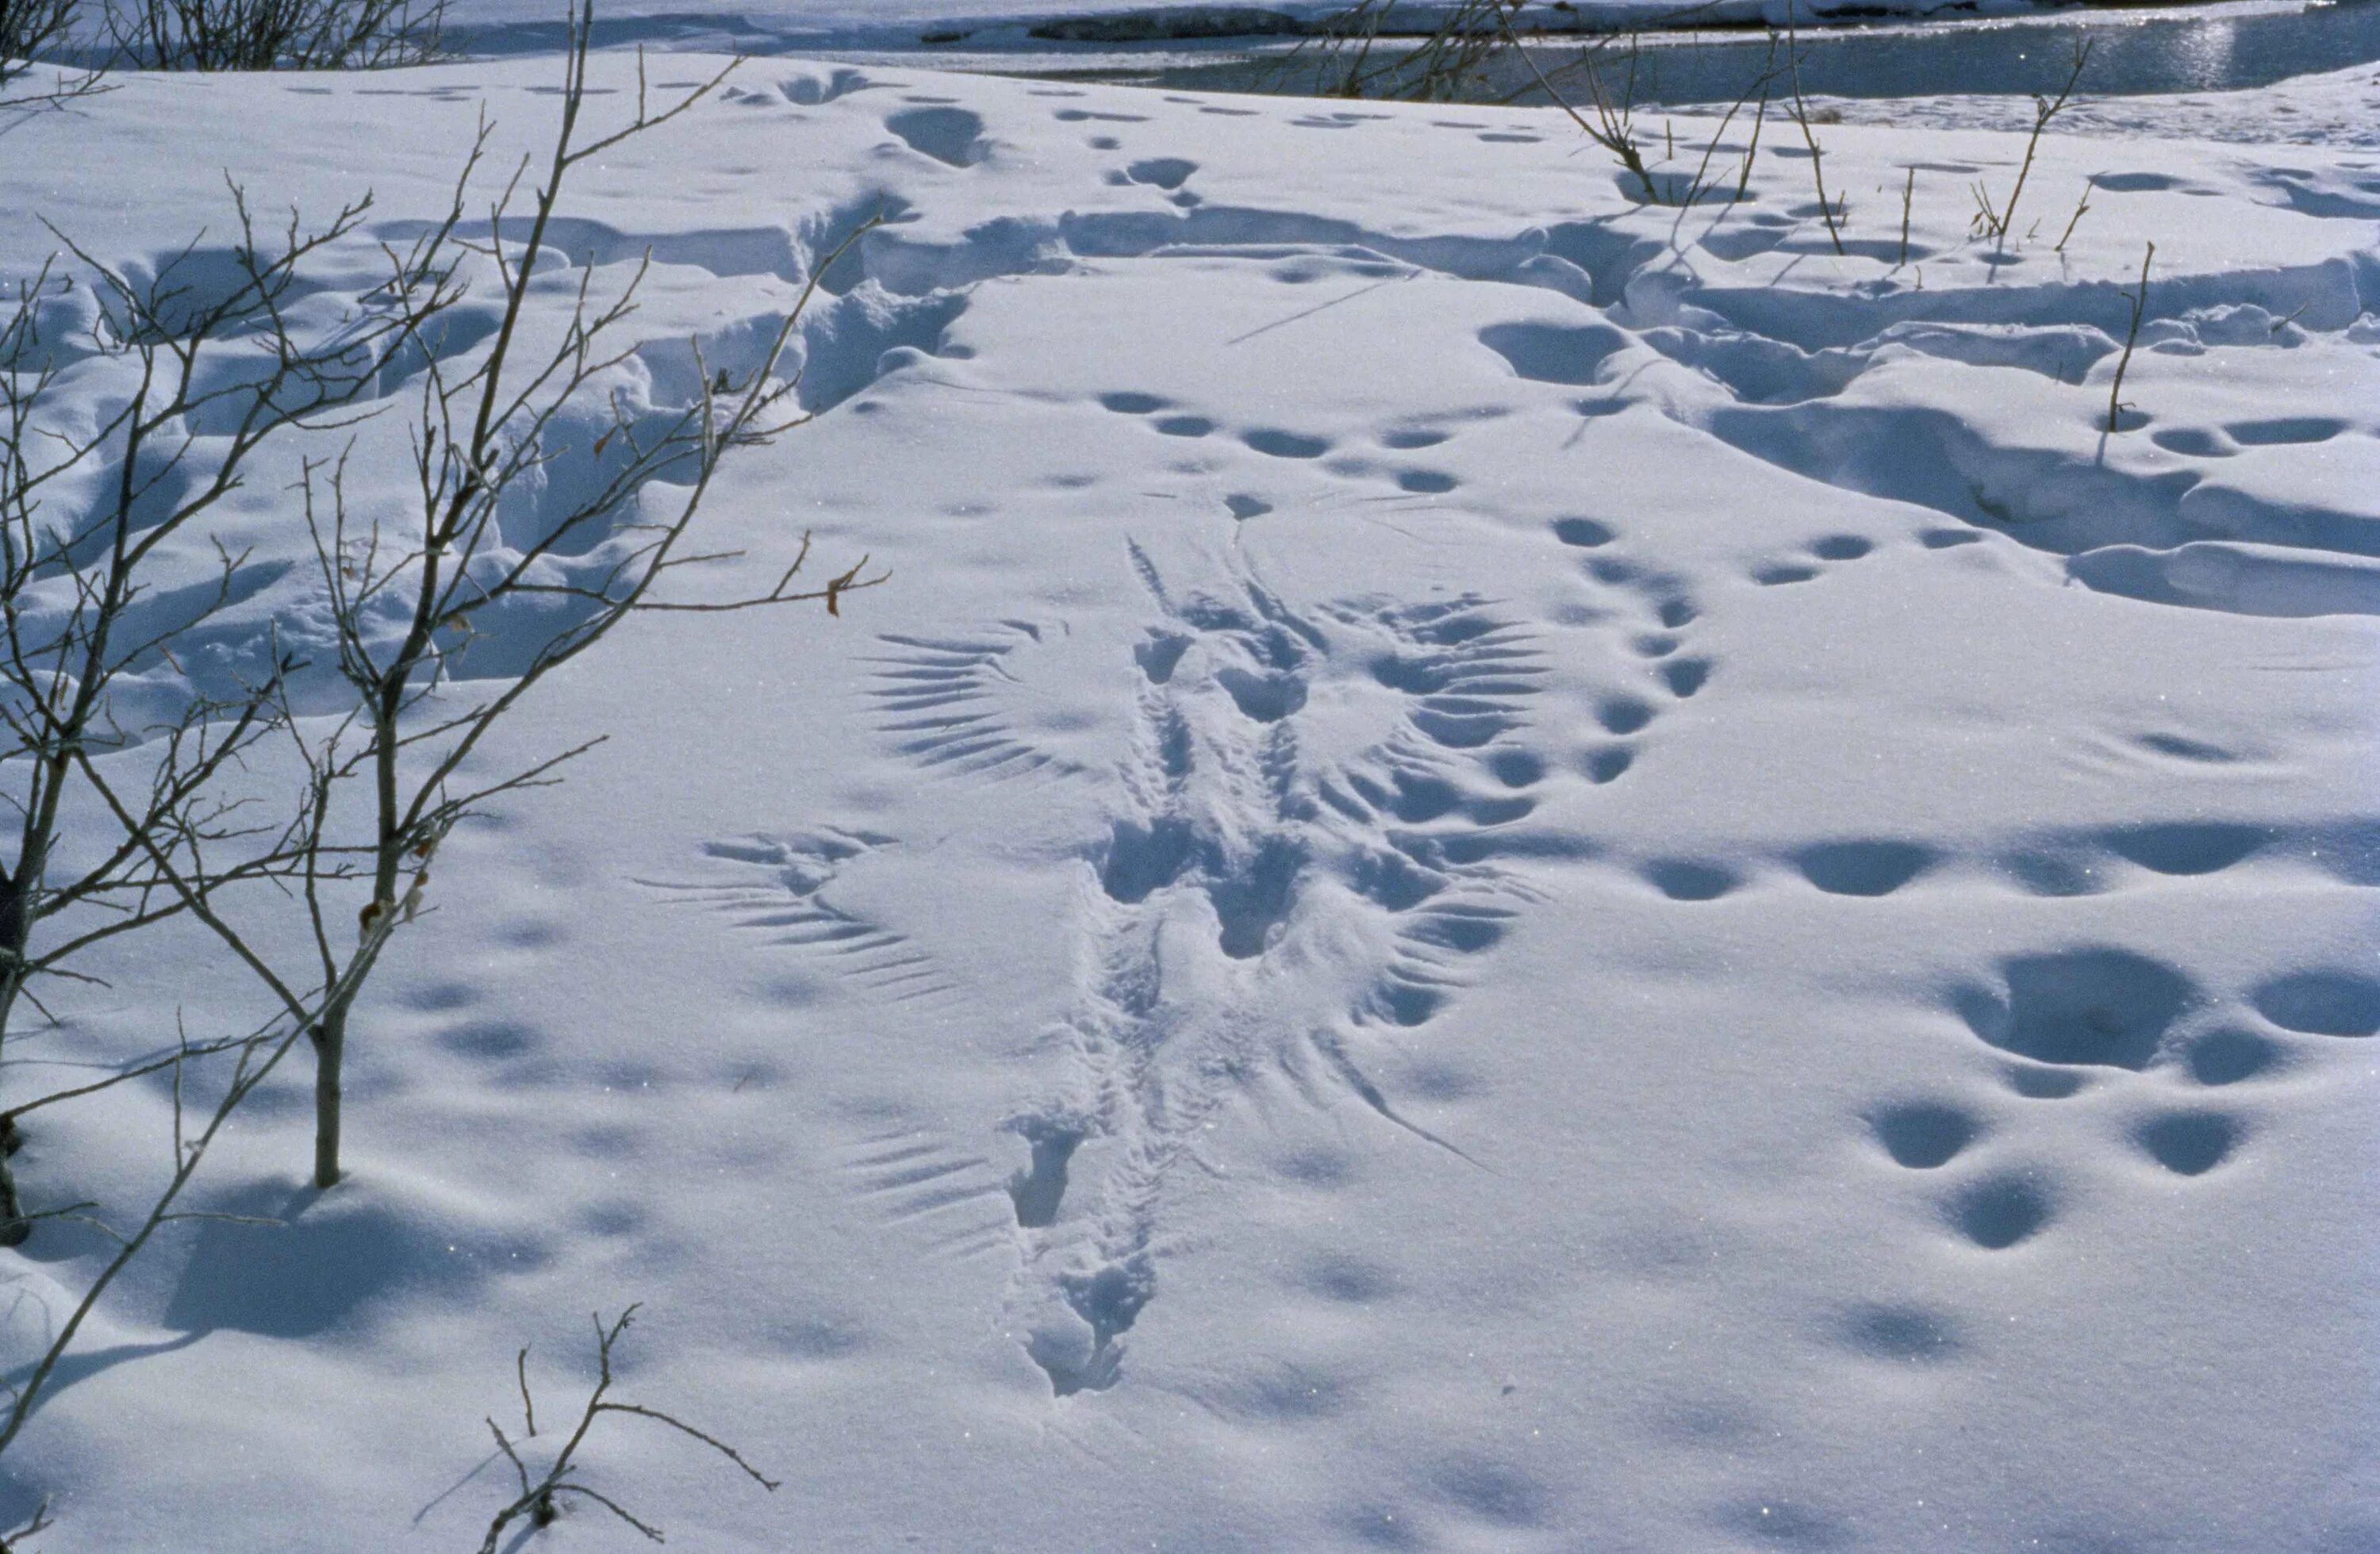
(1170,419)
(2135,1036)
(1307,849)
(1655,612)
(952,136)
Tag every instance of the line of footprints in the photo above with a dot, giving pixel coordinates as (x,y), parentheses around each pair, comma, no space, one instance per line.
(2109,1020)
(2084,1017)
(1664,614)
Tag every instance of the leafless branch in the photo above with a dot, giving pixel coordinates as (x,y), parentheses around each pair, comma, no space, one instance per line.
(537,1501)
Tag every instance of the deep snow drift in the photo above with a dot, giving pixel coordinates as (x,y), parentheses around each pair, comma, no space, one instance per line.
(1504,870)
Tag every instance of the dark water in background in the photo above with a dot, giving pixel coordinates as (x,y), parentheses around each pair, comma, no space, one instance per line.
(2131,56)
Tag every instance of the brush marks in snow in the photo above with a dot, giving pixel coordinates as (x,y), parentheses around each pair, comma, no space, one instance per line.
(938,700)
(777,889)
(915,1180)
(1452,783)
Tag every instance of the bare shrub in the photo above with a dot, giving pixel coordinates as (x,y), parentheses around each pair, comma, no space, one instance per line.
(29,28)
(275,34)
(1803,119)
(2138,300)
(541,1498)
(1996,221)
(30,31)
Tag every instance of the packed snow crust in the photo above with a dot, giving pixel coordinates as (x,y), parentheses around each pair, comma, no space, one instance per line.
(1503,870)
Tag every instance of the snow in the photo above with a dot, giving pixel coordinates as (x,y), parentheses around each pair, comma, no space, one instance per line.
(2334,108)
(1503,870)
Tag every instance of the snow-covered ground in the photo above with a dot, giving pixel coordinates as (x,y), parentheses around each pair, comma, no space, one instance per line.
(2337,108)
(1503,870)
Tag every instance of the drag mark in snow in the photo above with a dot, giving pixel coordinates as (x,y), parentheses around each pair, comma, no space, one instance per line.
(1261,904)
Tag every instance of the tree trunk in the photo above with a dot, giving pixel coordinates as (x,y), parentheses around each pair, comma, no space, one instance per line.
(14,929)
(14,1227)
(330,1046)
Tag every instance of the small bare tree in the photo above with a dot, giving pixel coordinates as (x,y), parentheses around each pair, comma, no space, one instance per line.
(254,1058)
(541,1500)
(132,701)
(206,368)
(410,605)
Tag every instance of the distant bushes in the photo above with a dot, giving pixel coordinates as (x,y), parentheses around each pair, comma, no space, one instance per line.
(218,34)
(271,34)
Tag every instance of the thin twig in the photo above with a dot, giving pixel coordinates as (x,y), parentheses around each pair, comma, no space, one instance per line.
(536,1501)
(2140,301)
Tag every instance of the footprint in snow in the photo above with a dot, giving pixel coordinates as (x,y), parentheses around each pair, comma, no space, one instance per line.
(951,136)
(1833,548)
